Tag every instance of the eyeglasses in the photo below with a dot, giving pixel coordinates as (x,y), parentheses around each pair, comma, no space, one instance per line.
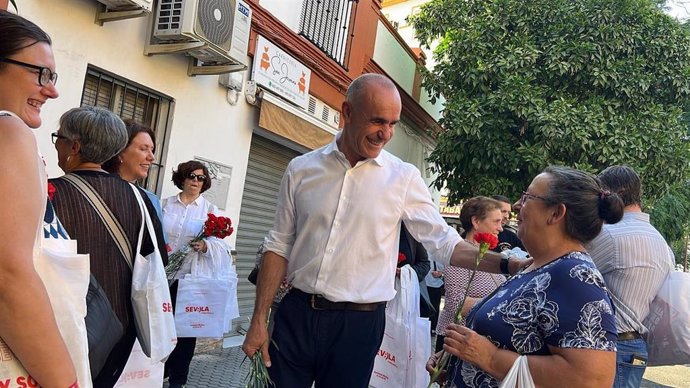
(55,136)
(45,75)
(199,178)
(527,196)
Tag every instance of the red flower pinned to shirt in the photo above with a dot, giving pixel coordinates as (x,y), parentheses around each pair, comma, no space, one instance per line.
(401,257)
(489,238)
(51,190)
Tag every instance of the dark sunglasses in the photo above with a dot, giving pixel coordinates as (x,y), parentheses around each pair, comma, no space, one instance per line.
(193,176)
(55,136)
(45,75)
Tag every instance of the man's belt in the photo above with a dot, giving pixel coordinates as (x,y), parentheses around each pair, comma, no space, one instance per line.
(629,335)
(318,302)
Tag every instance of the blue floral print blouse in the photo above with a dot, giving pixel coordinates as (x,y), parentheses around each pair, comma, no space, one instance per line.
(565,304)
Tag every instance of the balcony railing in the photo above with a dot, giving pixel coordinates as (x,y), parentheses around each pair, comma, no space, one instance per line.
(329,25)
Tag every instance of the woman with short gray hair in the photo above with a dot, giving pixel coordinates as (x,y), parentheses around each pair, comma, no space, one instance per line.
(88,137)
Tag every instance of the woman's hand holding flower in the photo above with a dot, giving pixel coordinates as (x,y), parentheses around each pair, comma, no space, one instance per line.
(199,246)
(469,346)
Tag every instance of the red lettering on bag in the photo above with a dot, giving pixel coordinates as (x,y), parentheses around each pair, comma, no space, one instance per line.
(26,381)
(5,384)
(197,309)
(387,355)
(167,307)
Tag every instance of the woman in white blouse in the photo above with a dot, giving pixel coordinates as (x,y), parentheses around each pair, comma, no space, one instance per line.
(183,218)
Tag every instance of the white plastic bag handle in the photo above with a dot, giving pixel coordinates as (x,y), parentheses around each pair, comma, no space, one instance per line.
(518,376)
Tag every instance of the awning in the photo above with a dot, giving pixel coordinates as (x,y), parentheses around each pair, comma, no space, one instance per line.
(293,123)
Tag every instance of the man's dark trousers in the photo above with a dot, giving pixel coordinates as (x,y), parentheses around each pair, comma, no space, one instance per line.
(333,348)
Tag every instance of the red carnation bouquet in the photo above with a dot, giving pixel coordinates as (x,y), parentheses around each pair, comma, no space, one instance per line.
(486,241)
(215,226)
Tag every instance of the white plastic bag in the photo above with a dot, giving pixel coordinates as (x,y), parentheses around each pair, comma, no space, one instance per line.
(200,307)
(151,297)
(217,264)
(393,357)
(668,322)
(65,275)
(422,352)
(518,376)
(140,371)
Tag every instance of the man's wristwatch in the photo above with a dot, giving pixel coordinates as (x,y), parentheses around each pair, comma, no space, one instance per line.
(505,258)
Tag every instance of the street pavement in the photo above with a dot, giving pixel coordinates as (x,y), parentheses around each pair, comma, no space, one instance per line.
(226,368)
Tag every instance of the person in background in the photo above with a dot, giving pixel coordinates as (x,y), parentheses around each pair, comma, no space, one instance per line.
(411,252)
(336,237)
(184,215)
(134,162)
(27,81)
(477,215)
(88,136)
(634,259)
(435,287)
(508,238)
(557,310)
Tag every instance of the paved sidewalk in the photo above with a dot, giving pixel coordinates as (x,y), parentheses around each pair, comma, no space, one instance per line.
(218,368)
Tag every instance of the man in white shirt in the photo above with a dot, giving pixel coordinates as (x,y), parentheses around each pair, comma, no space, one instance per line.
(634,259)
(336,237)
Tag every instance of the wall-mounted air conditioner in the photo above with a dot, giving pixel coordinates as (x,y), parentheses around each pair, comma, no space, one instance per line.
(119,5)
(223,25)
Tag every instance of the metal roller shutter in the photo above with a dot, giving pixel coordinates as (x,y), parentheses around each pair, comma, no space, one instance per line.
(267,163)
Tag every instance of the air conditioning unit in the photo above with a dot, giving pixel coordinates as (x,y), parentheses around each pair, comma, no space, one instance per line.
(222,24)
(119,5)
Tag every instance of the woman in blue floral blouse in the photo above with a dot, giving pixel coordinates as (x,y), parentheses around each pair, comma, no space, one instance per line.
(557,310)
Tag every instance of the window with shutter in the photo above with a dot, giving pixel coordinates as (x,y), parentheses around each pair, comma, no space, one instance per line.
(131,100)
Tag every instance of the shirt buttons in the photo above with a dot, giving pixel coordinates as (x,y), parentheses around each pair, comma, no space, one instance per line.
(329,250)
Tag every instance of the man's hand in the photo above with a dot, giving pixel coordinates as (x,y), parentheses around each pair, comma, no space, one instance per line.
(436,274)
(257,339)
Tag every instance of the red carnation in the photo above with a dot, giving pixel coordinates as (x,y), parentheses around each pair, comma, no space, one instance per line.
(51,190)
(401,257)
(488,238)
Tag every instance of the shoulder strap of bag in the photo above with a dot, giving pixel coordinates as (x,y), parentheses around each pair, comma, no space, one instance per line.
(112,224)
(144,215)
(145,221)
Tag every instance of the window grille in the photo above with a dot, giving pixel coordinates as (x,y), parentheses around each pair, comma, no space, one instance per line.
(130,100)
(329,25)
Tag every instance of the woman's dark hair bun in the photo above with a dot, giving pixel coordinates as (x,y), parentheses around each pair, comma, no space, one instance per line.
(610,207)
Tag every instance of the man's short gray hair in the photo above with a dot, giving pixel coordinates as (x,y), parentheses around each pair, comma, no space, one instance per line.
(359,83)
(101,133)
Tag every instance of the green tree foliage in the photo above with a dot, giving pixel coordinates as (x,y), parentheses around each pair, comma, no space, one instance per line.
(671,215)
(583,83)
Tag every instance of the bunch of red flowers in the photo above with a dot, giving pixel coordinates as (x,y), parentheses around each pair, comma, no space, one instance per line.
(216,226)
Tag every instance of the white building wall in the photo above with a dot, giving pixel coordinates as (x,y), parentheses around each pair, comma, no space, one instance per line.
(408,146)
(203,122)
(287,11)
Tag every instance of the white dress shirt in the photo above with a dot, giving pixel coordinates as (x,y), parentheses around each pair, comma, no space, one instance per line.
(338,225)
(183,222)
